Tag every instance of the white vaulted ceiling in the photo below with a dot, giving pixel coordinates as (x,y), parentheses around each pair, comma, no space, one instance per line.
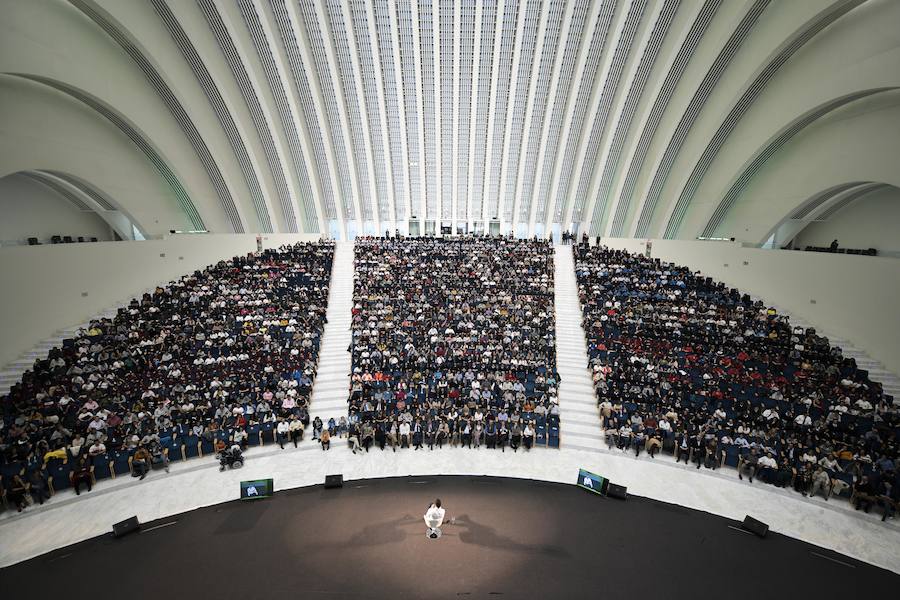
(643,118)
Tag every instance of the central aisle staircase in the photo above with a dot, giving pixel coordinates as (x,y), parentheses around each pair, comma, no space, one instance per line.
(332,385)
(579,415)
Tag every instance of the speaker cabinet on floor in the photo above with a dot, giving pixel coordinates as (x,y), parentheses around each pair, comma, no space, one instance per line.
(125,527)
(617,491)
(334,481)
(754,526)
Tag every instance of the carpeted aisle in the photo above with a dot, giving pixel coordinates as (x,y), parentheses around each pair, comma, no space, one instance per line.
(510,538)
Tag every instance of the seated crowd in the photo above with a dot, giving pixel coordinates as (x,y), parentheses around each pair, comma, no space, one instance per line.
(687,364)
(453,342)
(224,354)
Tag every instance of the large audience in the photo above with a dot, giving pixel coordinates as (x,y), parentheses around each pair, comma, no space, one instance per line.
(683,363)
(208,361)
(453,343)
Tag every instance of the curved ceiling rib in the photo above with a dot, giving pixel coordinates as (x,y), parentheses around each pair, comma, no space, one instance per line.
(791,223)
(553,126)
(138,138)
(88,190)
(486,38)
(666,90)
(223,114)
(373,98)
(348,117)
(354,106)
(300,154)
(561,165)
(783,137)
(380,19)
(743,104)
(117,33)
(552,85)
(515,117)
(82,195)
(57,187)
(853,196)
(499,104)
(601,115)
(635,92)
(693,111)
(257,115)
(333,103)
(311,114)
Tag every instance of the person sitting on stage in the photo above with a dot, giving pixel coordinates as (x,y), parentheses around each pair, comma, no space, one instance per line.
(434,517)
(325,439)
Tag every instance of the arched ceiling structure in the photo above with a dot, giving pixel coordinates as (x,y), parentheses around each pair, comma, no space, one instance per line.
(643,118)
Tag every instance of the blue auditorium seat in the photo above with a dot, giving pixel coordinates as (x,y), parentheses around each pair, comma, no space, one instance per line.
(101,465)
(267,433)
(58,472)
(191,446)
(120,462)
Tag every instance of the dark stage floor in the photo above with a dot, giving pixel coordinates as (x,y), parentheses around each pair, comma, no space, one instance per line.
(511,538)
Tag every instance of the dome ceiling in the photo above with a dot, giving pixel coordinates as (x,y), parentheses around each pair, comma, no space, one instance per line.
(645,118)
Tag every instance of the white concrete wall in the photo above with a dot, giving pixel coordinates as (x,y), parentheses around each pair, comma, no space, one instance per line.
(43,287)
(870,222)
(31,210)
(855,296)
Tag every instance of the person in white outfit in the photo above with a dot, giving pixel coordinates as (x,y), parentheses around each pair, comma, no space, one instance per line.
(434,516)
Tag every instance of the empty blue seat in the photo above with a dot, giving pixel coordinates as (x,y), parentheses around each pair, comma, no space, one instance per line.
(120,463)
(58,472)
(207,447)
(102,468)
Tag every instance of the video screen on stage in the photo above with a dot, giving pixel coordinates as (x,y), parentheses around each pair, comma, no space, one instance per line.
(592,482)
(259,488)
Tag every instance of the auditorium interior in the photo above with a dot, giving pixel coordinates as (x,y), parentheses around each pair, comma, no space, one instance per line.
(436,298)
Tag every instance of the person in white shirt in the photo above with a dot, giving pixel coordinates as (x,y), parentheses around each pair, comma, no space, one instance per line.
(404,434)
(767,465)
(434,517)
(96,449)
(283,429)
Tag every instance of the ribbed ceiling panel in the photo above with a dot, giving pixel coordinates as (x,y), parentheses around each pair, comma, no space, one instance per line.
(364,115)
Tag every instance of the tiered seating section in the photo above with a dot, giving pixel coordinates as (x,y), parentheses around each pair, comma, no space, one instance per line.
(454,337)
(223,354)
(684,362)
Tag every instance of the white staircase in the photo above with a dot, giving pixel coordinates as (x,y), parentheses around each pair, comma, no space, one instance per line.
(11,373)
(877,371)
(332,385)
(578,412)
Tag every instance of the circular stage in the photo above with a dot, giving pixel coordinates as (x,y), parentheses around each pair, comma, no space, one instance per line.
(508,537)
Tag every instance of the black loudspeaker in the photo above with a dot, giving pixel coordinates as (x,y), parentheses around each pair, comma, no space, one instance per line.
(754,526)
(125,527)
(617,491)
(334,481)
